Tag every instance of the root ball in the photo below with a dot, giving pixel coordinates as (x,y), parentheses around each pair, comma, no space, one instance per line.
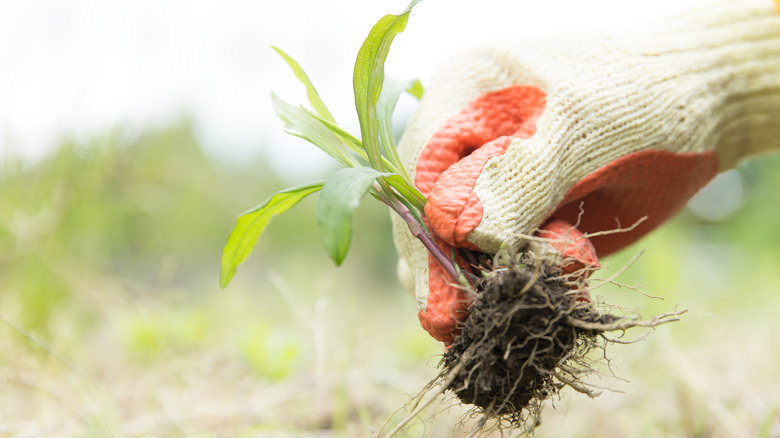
(515,346)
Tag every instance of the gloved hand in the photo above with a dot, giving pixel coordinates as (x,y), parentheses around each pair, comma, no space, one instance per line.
(516,136)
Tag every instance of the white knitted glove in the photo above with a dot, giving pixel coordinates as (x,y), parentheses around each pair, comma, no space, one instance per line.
(631,125)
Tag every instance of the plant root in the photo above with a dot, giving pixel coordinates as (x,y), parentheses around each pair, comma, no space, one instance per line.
(527,336)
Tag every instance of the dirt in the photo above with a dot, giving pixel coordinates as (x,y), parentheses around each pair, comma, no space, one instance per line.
(521,342)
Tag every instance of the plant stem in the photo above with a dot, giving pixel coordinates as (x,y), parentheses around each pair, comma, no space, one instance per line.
(421,235)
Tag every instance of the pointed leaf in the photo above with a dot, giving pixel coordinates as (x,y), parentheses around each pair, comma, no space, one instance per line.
(416,90)
(355,145)
(368,77)
(250,225)
(346,138)
(406,190)
(302,123)
(388,98)
(311,92)
(339,197)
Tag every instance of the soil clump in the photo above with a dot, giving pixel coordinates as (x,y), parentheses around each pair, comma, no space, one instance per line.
(526,337)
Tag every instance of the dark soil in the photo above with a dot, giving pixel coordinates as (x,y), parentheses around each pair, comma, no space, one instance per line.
(518,345)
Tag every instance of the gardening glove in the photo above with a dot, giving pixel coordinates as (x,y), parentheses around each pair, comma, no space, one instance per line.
(594,130)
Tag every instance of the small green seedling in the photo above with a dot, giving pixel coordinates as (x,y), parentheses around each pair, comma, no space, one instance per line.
(371,163)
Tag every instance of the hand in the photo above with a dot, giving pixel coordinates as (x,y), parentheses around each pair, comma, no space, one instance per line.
(599,131)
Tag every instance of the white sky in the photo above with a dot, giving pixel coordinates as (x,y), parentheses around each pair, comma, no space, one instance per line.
(80,67)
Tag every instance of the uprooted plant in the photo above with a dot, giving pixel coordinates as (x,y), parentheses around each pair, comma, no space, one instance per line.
(529,334)
(529,331)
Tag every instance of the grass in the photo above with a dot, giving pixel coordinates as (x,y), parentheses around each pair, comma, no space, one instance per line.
(113,323)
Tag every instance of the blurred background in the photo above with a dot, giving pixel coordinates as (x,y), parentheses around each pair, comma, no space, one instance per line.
(133,133)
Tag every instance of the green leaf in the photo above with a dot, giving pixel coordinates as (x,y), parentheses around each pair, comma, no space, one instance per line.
(356,146)
(250,225)
(302,123)
(369,75)
(339,197)
(416,90)
(311,92)
(406,190)
(349,140)
(388,98)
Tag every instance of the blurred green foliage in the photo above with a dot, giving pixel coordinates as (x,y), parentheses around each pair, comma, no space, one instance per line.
(151,212)
(272,352)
